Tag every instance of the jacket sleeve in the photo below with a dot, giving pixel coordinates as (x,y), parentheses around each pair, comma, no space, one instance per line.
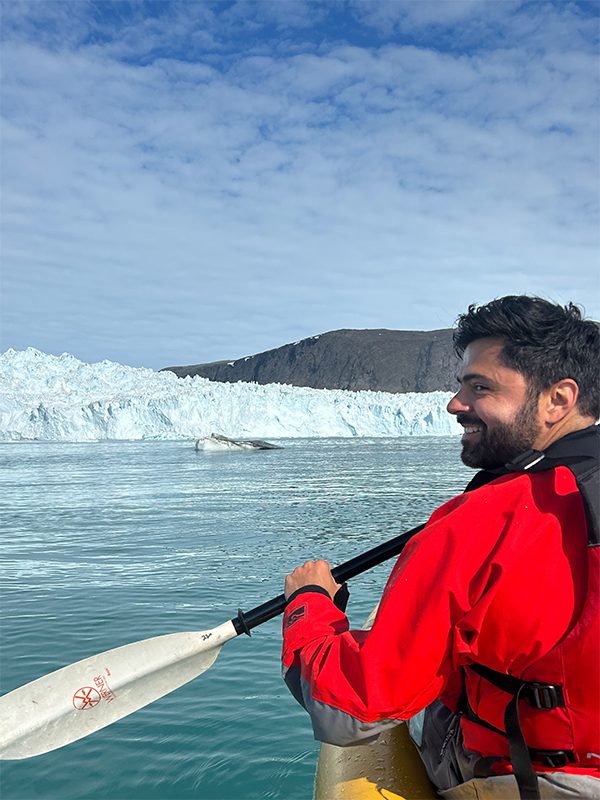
(356,683)
(330,724)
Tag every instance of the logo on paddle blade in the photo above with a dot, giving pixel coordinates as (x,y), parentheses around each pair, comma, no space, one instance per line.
(295,616)
(86,697)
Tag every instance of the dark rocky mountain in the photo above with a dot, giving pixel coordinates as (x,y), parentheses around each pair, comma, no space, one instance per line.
(380,360)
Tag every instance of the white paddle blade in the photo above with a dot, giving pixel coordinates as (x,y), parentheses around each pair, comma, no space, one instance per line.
(82,698)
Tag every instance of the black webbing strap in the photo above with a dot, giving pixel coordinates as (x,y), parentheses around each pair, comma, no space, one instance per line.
(543,696)
(523,770)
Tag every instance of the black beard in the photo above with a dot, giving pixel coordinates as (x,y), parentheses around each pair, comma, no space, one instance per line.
(497,446)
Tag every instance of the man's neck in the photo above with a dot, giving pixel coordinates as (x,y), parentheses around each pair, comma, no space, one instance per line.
(568,424)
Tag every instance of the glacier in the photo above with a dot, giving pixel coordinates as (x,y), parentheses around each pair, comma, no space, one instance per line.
(59,398)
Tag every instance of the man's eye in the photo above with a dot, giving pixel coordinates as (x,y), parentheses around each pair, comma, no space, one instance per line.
(479,387)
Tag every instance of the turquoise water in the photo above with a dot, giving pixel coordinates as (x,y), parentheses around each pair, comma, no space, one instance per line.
(112,542)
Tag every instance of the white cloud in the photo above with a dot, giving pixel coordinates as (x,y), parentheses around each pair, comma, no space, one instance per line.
(408,15)
(558,25)
(164,211)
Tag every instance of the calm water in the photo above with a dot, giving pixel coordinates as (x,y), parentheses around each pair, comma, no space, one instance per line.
(112,542)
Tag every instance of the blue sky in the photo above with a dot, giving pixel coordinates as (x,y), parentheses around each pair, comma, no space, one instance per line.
(185,182)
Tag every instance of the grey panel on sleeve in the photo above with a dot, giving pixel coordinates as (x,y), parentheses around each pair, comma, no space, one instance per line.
(337,727)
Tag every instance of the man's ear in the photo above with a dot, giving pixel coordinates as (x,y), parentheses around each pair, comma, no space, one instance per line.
(559,400)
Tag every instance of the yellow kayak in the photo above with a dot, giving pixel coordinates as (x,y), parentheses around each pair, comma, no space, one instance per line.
(389,768)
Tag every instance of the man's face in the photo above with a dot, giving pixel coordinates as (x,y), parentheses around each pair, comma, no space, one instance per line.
(500,418)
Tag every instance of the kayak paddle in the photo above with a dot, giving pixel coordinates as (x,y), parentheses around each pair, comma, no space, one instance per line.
(77,700)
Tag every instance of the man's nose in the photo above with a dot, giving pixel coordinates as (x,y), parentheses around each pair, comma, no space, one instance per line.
(458,404)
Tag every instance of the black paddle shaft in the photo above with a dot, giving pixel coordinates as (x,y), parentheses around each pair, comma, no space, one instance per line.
(247,620)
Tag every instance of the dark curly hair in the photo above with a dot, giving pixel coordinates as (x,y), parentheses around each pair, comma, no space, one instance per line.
(545,342)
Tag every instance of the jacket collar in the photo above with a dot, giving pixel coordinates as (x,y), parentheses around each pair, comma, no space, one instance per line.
(574,447)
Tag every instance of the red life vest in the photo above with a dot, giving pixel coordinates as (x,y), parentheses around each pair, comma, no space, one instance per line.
(562,689)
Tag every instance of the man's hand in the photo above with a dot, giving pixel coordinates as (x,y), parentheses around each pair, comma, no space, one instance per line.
(311,573)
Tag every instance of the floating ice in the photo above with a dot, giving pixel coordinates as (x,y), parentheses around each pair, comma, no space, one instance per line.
(59,398)
(218,443)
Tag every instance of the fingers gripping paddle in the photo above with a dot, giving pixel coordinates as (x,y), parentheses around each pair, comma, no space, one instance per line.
(82,698)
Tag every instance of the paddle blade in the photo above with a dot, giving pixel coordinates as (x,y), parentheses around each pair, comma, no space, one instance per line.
(82,698)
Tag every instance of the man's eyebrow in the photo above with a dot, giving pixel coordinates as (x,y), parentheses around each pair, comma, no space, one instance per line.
(474,376)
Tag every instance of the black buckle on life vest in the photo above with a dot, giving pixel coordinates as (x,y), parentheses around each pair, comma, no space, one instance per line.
(555,759)
(544,695)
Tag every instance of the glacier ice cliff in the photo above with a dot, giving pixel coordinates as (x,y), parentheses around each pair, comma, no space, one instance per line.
(59,398)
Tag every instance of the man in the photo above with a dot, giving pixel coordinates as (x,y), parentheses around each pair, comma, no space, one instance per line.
(489,622)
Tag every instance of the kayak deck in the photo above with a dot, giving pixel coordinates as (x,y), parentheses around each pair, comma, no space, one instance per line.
(389,768)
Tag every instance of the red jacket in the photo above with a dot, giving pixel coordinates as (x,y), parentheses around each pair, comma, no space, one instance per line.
(499,576)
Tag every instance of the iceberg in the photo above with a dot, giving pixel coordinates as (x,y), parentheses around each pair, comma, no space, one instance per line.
(217,443)
(59,398)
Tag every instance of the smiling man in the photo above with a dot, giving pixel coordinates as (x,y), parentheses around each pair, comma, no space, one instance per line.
(499,415)
(487,637)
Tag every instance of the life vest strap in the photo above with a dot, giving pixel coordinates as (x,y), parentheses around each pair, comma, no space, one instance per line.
(555,759)
(543,696)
